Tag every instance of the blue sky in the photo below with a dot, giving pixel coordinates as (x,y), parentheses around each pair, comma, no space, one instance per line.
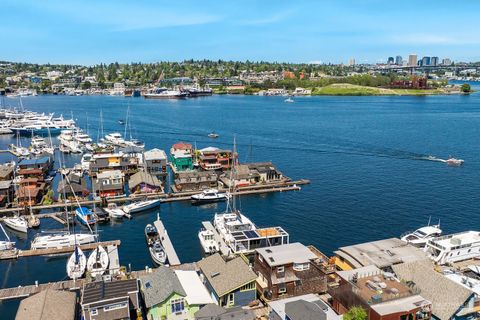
(94,31)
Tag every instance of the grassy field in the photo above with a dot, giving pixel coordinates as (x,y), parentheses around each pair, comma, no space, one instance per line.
(342,89)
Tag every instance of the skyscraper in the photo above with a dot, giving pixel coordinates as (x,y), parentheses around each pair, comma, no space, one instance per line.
(398,60)
(351,62)
(412,60)
(425,61)
(447,62)
(434,61)
(390,60)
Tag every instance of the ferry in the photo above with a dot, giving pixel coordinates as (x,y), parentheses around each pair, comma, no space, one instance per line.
(454,247)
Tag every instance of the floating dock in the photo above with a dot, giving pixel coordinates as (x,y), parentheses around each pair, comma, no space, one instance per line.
(173,259)
(224,249)
(14,254)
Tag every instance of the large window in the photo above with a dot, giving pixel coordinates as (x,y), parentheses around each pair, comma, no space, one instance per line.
(115,306)
(301,266)
(248,287)
(177,305)
(230,299)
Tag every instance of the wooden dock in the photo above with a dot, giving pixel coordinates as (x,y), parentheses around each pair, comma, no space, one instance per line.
(224,249)
(14,254)
(173,259)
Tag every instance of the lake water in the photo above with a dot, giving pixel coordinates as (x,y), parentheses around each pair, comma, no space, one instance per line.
(362,155)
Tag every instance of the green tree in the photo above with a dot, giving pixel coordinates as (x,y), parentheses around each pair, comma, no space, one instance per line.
(86,85)
(466,88)
(355,313)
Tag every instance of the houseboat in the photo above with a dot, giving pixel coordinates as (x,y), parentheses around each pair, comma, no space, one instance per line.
(454,247)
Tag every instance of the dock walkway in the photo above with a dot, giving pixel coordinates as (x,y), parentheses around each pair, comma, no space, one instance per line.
(224,249)
(173,259)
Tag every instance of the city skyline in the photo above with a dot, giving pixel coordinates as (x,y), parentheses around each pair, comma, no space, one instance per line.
(90,33)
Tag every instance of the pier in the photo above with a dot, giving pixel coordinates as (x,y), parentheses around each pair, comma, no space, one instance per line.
(173,259)
(14,254)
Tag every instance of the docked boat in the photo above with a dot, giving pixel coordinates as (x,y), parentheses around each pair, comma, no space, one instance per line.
(419,237)
(16,223)
(157,252)
(101,216)
(6,244)
(76,264)
(19,151)
(85,162)
(289,100)
(213,135)
(209,196)
(114,211)
(454,247)
(97,262)
(199,92)
(454,162)
(61,240)
(121,122)
(139,206)
(166,94)
(114,138)
(82,138)
(207,241)
(85,216)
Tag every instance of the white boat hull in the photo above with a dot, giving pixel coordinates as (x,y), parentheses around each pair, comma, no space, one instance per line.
(98,261)
(17,224)
(76,264)
(141,206)
(64,240)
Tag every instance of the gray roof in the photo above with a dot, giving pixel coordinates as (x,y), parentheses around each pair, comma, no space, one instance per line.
(286,254)
(155,154)
(225,276)
(158,285)
(141,177)
(6,170)
(305,310)
(381,253)
(5,184)
(100,291)
(48,304)
(446,296)
(214,312)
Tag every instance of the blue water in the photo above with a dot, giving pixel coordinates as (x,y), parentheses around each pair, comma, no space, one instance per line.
(360,153)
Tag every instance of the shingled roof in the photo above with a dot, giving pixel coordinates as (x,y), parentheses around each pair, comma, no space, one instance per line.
(158,285)
(446,296)
(226,276)
(48,304)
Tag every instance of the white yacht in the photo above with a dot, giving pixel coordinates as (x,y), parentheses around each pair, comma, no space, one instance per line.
(454,247)
(19,151)
(61,240)
(419,237)
(207,241)
(139,206)
(82,138)
(157,252)
(229,222)
(114,211)
(454,162)
(76,264)
(208,196)
(115,138)
(6,244)
(69,144)
(16,223)
(98,261)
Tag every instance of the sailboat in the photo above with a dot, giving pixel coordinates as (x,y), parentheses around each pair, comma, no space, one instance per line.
(76,264)
(33,221)
(6,244)
(16,223)
(98,261)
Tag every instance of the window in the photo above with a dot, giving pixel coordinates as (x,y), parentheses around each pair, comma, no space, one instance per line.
(93,312)
(301,266)
(280,269)
(282,289)
(230,299)
(248,287)
(114,306)
(177,305)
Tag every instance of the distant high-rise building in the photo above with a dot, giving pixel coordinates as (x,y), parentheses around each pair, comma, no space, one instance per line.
(425,61)
(390,60)
(351,62)
(412,60)
(434,61)
(446,62)
(398,60)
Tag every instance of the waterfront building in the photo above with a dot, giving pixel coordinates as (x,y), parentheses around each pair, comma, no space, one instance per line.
(7,192)
(6,172)
(450,300)
(213,311)
(109,183)
(290,270)
(107,161)
(156,162)
(181,155)
(398,60)
(31,191)
(308,306)
(382,295)
(231,283)
(382,254)
(170,294)
(76,188)
(390,60)
(212,158)
(301,92)
(143,182)
(252,174)
(110,300)
(44,164)
(412,60)
(48,304)
(195,181)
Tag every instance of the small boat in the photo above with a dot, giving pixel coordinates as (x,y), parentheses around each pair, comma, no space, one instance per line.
(6,244)
(121,122)
(213,135)
(289,100)
(16,223)
(97,262)
(85,216)
(209,196)
(157,252)
(100,215)
(114,211)
(141,206)
(76,264)
(207,241)
(454,162)
(419,237)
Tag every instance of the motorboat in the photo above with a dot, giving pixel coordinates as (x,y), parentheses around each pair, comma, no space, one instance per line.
(419,237)
(208,196)
(85,216)
(114,211)
(121,122)
(61,240)
(141,206)
(454,162)
(101,216)
(207,241)
(213,135)
(166,94)
(289,100)
(82,138)
(97,262)
(155,247)
(16,223)
(6,244)
(115,138)
(76,264)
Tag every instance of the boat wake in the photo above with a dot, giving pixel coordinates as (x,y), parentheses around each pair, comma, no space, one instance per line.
(431,158)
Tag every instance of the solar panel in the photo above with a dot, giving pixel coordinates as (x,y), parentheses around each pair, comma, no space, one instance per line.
(251,234)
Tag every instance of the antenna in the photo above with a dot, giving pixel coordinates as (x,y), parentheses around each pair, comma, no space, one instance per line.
(429,219)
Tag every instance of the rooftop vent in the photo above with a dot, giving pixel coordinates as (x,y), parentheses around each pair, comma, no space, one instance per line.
(268,251)
(148,285)
(271,259)
(215,274)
